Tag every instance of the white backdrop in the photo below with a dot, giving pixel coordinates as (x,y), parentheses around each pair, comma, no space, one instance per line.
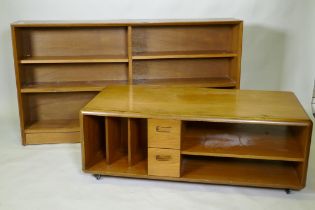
(278,54)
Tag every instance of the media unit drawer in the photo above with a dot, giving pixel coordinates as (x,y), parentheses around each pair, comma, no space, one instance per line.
(164,162)
(164,133)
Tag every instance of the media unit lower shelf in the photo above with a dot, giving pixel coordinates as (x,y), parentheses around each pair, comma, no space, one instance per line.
(219,151)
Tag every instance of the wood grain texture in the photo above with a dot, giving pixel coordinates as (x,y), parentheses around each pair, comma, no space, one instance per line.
(56,106)
(59,73)
(182,38)
(76,42)
(182,69)
(245,106)
(163,162)
(164,133)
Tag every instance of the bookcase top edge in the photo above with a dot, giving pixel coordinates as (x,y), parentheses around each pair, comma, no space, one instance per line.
(130,22)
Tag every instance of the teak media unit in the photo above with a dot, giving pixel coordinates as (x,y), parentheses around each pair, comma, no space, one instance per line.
(235,137)
(60,66)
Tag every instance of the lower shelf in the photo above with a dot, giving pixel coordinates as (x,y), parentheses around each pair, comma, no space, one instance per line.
(53,131)
(274,174)
(119,168)
(48,126)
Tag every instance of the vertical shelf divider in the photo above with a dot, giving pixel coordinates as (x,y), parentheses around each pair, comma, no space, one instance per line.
(113,137)
(130,71)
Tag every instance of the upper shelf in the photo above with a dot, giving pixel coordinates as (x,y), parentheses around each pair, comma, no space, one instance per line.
(182,54)
(74,59)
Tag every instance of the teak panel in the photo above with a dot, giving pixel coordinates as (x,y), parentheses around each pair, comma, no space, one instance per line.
(74,41)
(55,106)
(134,22)
(49,126)
(52,138)
(181,69)
(270,107)
(58,73)
(241,172)
(182,38)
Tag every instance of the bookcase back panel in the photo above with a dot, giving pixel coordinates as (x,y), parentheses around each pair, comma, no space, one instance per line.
(54,73)
(182,68)
(183,38)
(55,106)
(74,42)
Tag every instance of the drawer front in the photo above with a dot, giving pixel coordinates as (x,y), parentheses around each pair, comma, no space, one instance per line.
(163,162)
(164,133)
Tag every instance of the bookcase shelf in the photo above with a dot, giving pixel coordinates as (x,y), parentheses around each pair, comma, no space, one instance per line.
(182,54)
(69,86)
(73,59)
(48,126)
(83,58)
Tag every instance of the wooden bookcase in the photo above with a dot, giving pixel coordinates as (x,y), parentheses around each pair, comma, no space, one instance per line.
(60,66)
(235,137)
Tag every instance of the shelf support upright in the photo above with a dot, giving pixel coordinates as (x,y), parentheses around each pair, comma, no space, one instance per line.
(129,44)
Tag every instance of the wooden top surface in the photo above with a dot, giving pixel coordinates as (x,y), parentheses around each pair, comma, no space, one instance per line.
(204,104)
(135,22)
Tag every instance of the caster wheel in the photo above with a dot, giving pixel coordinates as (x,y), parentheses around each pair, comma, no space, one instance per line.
(288,191)
(98,176)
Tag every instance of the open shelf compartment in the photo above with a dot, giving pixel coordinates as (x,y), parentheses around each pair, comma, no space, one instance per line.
(114,145)
(200,72)
(251,141)
(53,117)
(71,77)
(185,41)
(262,173)
(60,45)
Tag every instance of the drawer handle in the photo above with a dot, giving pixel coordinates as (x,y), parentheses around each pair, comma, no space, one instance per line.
(163,129)
(163,157)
